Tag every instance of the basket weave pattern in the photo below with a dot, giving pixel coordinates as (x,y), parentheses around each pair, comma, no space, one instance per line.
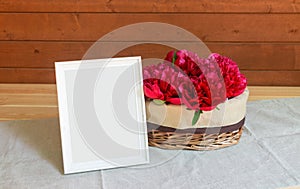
(193,141)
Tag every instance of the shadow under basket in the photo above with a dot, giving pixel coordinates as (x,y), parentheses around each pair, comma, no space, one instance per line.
(210,138)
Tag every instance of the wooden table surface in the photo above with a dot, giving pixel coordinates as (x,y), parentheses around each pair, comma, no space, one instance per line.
(35,101)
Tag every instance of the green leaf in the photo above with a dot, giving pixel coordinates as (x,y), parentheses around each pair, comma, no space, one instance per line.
(158,102)
(174,57)
(196,117)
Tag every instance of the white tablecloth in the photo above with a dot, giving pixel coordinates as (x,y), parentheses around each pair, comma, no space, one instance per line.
(268,156)
(30,157)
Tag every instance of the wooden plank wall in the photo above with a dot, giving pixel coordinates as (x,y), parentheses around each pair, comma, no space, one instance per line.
(263,36)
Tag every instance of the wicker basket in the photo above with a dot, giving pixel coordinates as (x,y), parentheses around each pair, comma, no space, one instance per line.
(169,133)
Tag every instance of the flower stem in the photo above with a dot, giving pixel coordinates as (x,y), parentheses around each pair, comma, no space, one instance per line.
(158,102)
(174,58)
(196,117)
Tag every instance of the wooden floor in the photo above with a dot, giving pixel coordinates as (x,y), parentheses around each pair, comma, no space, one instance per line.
(35,101)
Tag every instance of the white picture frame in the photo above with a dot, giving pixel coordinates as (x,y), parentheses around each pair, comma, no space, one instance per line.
(102,114)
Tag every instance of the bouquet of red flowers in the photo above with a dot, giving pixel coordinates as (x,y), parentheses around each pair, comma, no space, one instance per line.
(198,83)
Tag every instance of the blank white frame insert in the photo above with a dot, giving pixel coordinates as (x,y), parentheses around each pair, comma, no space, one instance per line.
(102,113)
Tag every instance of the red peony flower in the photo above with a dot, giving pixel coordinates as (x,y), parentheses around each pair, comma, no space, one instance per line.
(166,82)
(205,76)
(184,60)
(235,82)
(200,84)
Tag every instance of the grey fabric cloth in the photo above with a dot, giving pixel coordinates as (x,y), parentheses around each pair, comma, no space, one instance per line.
(266,157)
(30,157)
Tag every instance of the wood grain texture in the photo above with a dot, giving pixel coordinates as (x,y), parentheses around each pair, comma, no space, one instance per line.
(251,56)
(24,75)
(261,78)
(261,36)
(28,112)
(208,27)
(25,100)
(273,78)
(237,6)
(267,92)
(35,101)
(28,89)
